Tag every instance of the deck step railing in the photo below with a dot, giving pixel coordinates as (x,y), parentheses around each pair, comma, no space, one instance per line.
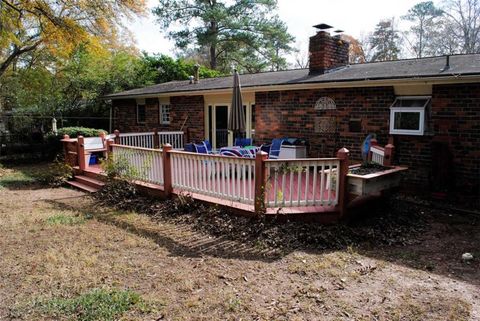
(230,178)
(307,182)
(152,139)
(143,164)
(377,154)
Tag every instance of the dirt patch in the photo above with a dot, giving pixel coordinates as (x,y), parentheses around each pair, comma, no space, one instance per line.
(399,225)
(185,273)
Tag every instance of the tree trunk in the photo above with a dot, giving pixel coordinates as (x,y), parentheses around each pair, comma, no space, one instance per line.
(213,57)
(15,54)
(213,44)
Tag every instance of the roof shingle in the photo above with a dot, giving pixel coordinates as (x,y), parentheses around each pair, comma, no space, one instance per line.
(408,68)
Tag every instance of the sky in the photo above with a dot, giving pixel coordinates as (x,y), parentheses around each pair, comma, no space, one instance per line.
(355,17)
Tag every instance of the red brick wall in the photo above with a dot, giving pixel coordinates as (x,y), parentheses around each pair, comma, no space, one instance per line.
(326,52)
(125,116)
(453,120)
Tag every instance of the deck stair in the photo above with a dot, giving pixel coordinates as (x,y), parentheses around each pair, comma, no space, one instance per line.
(87,184)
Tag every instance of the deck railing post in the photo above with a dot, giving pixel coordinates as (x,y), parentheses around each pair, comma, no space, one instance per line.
(167,170)
(388,156)
(156,139)
(82,164)
(260,182)
(68,157)
(117,136)
(343,155)
(66,141)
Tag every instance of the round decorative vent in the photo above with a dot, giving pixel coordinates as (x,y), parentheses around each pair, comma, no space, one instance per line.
(325,103)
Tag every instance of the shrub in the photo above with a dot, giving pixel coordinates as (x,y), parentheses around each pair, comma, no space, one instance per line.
(119,167)
(56,175)
(74,132)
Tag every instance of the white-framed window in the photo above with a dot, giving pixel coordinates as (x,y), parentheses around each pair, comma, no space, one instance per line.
(407,115)
(141,113)
(164,114)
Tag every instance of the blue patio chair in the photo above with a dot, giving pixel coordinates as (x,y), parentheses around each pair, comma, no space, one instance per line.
(265,148)
(201,148)
(208,145)
(275,148)
(189,148)
(242,142)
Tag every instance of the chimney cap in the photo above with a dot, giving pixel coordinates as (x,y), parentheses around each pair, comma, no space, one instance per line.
(338,31)
(323,26)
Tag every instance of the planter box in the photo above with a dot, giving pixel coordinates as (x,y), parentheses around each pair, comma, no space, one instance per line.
(374,183)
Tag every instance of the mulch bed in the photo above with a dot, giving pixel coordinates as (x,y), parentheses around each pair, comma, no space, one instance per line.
(391,222)
(368,168)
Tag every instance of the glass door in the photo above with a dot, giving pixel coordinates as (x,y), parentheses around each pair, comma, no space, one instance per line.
(221,125)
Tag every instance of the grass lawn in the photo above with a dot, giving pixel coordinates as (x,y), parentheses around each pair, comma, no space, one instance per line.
(61,258)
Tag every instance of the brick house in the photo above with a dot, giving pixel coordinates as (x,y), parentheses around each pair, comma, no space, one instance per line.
(430,106)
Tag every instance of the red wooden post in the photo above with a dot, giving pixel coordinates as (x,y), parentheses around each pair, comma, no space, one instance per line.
(66,141)
(117,136)
(343,155)
(260,182)
(156,139)
(388,156)
(373,142)
(82,164)
(167,170)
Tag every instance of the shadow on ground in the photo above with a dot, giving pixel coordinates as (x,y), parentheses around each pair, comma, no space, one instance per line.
(179,240)
(438,240)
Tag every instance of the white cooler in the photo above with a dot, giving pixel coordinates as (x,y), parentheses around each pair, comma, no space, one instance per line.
(292,152)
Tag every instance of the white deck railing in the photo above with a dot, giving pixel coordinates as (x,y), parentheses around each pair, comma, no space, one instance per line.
(230,178)
(176,139)
(143,164)
(378,154)
(307,182)
(144,140)
(147,139)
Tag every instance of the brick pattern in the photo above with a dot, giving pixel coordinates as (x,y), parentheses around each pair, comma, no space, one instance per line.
(453,119)
(326,52)
(182,106)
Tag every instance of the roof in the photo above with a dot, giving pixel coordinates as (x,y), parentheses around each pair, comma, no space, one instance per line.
(460,65)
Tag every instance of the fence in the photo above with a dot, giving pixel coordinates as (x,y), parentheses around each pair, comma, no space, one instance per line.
(151,139)
(15,146)
(231,178)
(308,182)
(143,164)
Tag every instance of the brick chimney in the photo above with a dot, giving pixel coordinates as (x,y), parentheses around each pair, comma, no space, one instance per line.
(327,52)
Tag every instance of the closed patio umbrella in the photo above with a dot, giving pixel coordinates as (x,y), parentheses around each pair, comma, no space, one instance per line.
(236,120)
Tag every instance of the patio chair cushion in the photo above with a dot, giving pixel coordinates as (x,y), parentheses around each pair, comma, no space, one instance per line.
(229,153)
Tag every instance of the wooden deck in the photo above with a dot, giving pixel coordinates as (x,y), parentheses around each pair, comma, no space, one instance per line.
(327,212)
